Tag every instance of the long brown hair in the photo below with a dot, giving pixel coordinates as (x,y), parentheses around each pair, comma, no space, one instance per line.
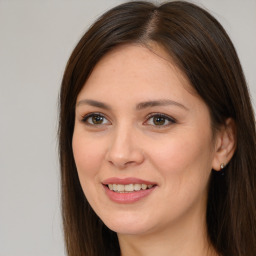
(201,48)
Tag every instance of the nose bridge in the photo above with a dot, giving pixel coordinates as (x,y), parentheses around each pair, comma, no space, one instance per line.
(122,136)
(123,149)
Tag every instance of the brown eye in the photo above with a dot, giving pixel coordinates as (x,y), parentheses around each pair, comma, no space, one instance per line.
(95,119)
(160,120)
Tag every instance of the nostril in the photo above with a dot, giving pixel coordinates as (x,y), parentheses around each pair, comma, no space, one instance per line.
(130,162)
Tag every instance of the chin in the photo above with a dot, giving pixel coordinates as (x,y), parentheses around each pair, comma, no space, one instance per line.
(128,225)
(128,229)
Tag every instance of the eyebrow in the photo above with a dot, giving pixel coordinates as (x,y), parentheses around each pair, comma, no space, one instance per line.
(139,106)
(155,103)
(93,103)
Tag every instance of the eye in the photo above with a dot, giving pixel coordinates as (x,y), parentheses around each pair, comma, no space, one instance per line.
(160,120)
(95,119)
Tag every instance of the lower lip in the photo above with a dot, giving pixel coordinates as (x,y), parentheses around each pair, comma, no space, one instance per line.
(127,198)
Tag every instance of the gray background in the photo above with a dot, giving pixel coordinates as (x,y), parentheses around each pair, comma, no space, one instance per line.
(36,39)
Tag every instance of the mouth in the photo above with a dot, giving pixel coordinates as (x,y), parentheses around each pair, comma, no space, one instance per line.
(128,188)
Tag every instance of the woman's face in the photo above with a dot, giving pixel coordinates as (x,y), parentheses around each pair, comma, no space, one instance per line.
(142,143)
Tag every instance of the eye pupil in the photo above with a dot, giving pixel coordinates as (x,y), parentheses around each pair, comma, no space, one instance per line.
(158,120)
(96,119)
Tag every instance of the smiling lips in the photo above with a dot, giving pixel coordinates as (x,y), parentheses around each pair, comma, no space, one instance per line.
(127,190)
(120,188)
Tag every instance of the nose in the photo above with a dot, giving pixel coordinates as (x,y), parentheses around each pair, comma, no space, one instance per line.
(124,150)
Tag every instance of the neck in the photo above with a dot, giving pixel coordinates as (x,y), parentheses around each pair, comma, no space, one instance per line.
(188,238)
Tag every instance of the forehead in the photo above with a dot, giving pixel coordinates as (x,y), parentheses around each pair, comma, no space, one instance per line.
(149,66)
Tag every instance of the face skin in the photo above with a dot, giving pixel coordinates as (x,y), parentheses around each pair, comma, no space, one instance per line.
(169,144)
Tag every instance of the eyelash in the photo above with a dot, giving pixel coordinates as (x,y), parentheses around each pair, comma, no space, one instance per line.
(164,118)
(167,118)
(91,115)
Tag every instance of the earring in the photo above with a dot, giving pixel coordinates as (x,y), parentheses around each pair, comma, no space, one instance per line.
(222,166)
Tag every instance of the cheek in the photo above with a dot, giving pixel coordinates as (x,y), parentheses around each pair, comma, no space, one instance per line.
(88,154)
(185,169)
(185,161)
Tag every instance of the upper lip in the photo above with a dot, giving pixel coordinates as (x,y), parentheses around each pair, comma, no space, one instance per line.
(126,181)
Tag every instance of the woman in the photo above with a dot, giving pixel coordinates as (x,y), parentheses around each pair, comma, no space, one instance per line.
(157,137)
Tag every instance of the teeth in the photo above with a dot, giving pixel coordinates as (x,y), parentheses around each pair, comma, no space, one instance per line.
(137,187)
(144,186)
(128,188)
(120,188)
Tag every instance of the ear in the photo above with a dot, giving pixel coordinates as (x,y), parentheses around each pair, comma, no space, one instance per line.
(225,144)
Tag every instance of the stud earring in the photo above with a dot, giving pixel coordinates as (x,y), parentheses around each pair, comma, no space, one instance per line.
(222,166)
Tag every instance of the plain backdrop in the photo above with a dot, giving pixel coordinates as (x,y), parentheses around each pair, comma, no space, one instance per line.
(36,39)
